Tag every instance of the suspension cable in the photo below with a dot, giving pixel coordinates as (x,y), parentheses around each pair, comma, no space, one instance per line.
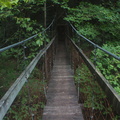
(19,43)
(97,46)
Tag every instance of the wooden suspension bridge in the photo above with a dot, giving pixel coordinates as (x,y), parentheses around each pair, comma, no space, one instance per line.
(62,98)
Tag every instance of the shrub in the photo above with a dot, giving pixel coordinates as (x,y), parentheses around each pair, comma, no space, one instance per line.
(109,66)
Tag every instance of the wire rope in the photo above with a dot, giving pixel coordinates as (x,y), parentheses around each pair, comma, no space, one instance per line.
(19,43)
(97,46)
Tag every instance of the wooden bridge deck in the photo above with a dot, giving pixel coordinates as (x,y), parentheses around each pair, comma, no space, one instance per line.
(62,100)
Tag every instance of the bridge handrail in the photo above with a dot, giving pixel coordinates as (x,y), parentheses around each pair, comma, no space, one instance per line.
(112,95)
(21,42)
(97,46)
(13,91)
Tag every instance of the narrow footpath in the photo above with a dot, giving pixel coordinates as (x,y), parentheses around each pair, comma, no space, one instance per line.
(62,100)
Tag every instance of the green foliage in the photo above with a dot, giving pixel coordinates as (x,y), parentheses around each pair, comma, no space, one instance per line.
(20,16)
(109,66)
(31,99)
(60,1)
(95,21)
(101,23)
(41,39)
(11,3)
(7,3)
(19,20)
(90,88)
(92,96)
(7,74)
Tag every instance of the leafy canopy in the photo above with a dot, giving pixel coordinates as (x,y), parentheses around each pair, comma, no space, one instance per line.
(9,3)
(95,21)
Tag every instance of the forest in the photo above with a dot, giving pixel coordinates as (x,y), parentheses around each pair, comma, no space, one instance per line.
(97,20)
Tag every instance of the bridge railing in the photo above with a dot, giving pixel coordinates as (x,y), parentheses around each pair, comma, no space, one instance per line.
(78,56)
(95,45)
(13,91)
(47,54)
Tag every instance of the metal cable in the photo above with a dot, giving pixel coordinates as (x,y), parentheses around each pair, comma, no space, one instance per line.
(97,46)
(19,43)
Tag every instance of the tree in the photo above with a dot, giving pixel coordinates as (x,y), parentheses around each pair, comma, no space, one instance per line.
(95,21)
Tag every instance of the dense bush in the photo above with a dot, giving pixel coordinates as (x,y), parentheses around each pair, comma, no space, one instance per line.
(100,23)
(95,21)
(18,23)
(109,66)
(95,102)
(30,101)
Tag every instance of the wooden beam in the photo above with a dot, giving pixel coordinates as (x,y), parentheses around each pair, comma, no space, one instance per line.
(13,91)
(111,94)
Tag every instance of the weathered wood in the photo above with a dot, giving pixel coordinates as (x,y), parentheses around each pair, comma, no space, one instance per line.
(112,96)
(13,91)
(62,100)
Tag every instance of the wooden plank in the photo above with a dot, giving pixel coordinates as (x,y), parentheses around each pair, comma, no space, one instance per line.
(62,99)
(13,91)
(113,97)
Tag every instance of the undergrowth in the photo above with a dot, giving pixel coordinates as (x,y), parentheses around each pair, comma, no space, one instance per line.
(109,66)
(96,105)
(8,73)
(30,101)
